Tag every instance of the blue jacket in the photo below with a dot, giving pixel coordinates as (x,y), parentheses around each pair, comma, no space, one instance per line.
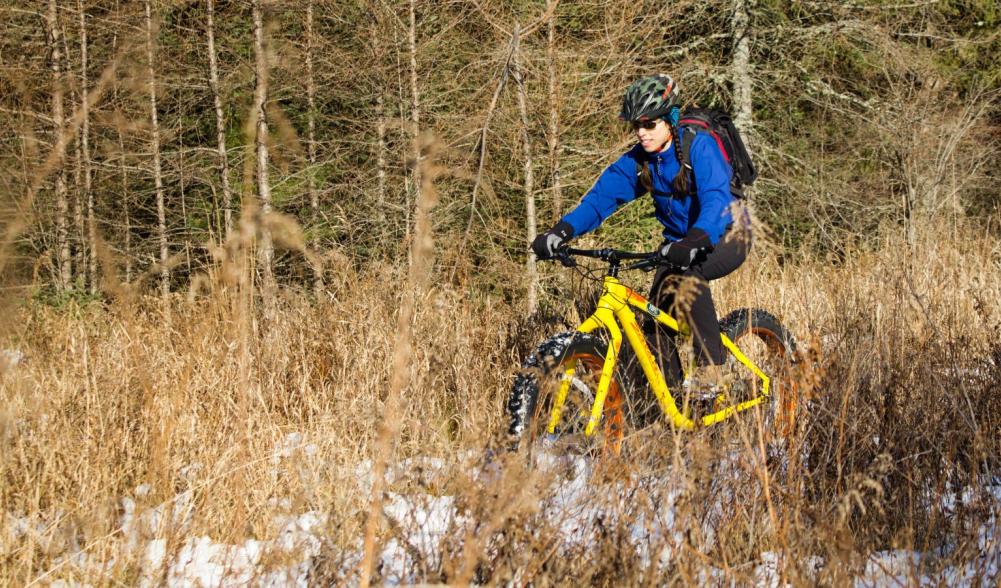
(708,210)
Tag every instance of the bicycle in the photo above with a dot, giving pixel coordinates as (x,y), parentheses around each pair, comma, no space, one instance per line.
(577,369)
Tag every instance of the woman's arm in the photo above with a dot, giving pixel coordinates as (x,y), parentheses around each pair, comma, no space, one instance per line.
(616,186)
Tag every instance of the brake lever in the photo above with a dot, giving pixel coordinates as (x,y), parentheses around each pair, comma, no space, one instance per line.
(647,265)
(656,261)
(564,258)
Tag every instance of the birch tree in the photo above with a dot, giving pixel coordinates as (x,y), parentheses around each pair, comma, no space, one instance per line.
(741,72)
(161,209)
(266,248)
(79,218)
(64,271)
(88,192)
(126,215)
(314,199)
(123,169)
(526,142)
(553,136)
(375,32)
(415,116)
(220,121)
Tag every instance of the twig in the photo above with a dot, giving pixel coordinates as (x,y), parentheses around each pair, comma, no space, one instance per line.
(501,82)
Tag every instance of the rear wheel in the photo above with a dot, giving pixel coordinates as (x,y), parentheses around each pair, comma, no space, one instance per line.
(763,339)
(536,385)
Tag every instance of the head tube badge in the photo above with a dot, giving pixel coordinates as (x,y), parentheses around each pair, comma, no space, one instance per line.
(653,310)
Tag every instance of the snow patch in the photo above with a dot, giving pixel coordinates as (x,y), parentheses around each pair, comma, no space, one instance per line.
(202,562)
(10,358)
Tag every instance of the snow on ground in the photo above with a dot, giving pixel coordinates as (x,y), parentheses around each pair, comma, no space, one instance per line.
(572,507)
(904,568)
(10,358)
(202,562)
(423,522)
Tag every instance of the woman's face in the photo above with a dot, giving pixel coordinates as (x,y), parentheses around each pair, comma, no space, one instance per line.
(653,139)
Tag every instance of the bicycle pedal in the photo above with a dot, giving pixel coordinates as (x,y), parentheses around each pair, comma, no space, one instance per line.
(697,403)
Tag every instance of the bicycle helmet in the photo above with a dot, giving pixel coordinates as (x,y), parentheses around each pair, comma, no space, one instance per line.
(650,98)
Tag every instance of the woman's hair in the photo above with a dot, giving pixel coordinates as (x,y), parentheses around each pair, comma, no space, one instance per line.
(680,182)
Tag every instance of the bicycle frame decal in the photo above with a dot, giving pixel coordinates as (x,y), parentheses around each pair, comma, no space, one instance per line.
(615,307)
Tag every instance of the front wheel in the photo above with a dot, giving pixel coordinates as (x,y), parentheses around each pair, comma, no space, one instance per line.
(530,402)
(763,339)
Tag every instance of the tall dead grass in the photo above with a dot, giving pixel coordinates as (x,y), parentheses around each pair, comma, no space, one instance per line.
(230,425)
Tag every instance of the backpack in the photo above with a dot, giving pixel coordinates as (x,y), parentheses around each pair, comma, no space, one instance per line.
(719,124)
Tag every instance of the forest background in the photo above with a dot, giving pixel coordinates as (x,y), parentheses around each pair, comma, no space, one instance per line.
(224,221)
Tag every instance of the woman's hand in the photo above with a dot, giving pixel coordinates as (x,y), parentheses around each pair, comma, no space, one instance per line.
(546,244)
(683,253)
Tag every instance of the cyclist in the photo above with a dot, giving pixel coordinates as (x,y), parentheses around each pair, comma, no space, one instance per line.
(701,241)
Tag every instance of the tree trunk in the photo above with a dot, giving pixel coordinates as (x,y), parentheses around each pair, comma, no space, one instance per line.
(554,111)
(220,123)
(80,257)
(314,199)
(85,146)
(379,91)
(314,196)
(184,204)
(123,170)
(266,249)
(161,210)
(64,271)
(519,80)
(741,73)
(126,216)
(415,116)
(380,155)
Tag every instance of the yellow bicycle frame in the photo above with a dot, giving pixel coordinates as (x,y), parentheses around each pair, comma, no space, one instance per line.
(615,307)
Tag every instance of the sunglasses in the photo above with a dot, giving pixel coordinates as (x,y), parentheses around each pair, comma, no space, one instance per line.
(644,124)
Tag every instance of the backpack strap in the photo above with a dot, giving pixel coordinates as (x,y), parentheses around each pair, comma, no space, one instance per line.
(696,124)
(687,138)
(688,134)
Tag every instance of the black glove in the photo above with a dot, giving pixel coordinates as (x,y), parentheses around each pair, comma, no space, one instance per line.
(546,244)
(683,253)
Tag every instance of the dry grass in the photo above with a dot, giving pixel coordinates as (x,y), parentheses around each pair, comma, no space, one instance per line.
(256,419)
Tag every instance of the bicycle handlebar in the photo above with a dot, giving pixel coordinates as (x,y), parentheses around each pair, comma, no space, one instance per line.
(648,260)
(608,254)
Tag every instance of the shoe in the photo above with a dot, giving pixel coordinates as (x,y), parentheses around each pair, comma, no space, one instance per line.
(708,381)
(706,389)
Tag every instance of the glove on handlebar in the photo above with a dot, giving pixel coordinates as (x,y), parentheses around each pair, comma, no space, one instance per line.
(683,253)
(546,244)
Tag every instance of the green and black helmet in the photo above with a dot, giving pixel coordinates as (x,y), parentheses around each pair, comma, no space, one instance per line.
(650,98)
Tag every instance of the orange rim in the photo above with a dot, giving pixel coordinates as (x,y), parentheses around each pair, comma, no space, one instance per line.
(612,419)
(784,386)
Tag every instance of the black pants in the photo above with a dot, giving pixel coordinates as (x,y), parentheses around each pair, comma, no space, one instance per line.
(686,296)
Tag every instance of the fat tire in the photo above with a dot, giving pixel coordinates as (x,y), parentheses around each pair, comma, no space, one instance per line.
(738,322)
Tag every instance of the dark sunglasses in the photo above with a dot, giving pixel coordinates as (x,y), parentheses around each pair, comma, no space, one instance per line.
(644,124)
